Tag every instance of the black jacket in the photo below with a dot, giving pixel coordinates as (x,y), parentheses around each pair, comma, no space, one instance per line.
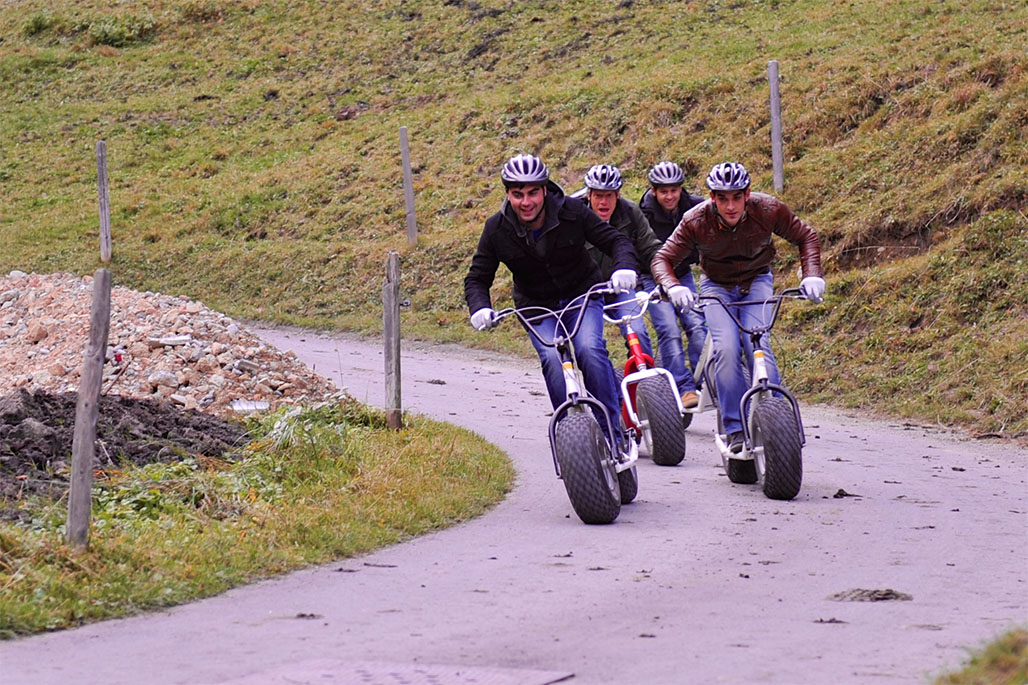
(556,266)
(629,220)
(664,224)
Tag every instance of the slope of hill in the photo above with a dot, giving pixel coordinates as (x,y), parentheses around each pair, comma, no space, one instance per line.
(254,158)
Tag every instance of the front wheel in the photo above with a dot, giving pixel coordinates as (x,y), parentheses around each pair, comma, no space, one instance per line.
(779,465)
(661,420)
(587,468)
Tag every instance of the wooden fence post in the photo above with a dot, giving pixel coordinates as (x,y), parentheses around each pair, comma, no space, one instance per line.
(105,206)
(82,445)
(408,189)
(777,162)
(391,326)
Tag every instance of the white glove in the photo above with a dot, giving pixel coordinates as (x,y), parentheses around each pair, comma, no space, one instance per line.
(813,288)
(681,296)
(623,279)
(483,319)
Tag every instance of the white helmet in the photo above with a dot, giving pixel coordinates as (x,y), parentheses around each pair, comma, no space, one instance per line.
(728,176)
(666,174)
(603,177)
(521,169)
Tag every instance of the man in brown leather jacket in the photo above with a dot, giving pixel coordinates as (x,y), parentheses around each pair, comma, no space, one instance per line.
(733,233)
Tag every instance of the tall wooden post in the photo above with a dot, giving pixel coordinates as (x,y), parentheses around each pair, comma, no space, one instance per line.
(391,327)
(86,411)
(408,189)
(105,206)
(777,163)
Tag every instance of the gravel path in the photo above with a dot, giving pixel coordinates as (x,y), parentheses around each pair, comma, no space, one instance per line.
(698,581)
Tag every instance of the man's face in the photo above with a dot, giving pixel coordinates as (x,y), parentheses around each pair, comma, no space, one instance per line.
(668,197)
(527,202)
(730,204)
(603,202)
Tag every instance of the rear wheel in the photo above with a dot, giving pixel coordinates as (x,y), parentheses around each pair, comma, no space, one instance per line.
(661,420)
(587,469)
(628,481)
(740,471)
(779,465)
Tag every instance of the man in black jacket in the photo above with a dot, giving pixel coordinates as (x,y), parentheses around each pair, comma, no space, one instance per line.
(540,236)
(664,204)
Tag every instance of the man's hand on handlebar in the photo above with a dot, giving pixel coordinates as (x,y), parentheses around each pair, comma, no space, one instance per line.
(483,319)
(813,288)
(623,279)
(681,297)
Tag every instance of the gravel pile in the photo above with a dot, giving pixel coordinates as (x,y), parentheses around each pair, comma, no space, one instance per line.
(159,347)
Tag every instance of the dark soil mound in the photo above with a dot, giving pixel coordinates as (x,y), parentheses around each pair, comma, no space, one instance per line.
(36,431)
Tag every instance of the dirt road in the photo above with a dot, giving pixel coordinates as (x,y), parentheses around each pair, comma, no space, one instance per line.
(698,581)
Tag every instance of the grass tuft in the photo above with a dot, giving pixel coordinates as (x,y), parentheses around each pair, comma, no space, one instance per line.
(1004,662)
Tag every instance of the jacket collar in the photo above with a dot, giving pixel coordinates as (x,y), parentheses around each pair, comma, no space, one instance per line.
(552,205)
(721,222)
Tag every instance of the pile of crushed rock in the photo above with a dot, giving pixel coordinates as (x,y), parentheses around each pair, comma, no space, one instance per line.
(175,377)
(159,347)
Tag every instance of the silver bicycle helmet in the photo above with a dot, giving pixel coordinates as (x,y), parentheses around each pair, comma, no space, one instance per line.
(728,176)
(666,174)
(603,177)
(521,169)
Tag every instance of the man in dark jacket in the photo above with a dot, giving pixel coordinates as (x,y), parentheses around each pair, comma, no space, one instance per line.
(664,204)
(733,233)
(603,184)
(540,236)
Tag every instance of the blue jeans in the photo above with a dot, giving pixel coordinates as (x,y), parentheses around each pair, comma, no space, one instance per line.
(591,353)
(728,347)
(693,324)
(669,340)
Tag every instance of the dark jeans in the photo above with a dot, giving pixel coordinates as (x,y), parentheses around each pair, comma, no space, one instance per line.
(591,353)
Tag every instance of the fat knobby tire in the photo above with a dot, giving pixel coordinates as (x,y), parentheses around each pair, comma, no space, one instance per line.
(741,471)
(775,427)
(587,469)
(628,480)
(656,403)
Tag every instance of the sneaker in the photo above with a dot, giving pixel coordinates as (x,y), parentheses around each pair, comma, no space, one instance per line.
(735,442)
(690,399)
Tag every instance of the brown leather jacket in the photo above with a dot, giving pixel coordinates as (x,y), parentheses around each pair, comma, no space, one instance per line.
(735,256)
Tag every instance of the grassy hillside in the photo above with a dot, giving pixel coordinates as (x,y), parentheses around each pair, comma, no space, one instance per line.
(255,164)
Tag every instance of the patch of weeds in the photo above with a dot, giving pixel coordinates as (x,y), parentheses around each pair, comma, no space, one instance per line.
(1003,662)
(202,11)
(116,31)
(122,31)
(40,23)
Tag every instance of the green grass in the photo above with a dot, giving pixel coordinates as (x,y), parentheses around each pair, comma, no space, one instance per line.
(254,157)
(255,165)
(325,483)
(1004,662)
